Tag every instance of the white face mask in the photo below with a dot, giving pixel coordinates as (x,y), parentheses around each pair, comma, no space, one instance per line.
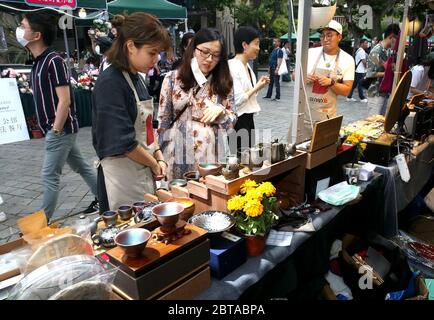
(20,36)
(197,73)
(97,50)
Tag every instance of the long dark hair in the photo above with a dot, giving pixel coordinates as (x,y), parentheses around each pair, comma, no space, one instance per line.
(221,82)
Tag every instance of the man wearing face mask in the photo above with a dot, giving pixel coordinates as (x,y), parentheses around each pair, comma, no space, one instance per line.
(55,109)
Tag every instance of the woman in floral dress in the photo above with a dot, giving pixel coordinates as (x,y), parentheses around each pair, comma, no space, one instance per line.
(196,104)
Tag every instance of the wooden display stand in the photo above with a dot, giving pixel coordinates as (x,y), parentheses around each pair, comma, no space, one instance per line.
(177,270)
(215,191)
(286,175)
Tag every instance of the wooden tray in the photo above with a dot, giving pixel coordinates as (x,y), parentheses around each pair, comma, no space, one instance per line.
(155,252)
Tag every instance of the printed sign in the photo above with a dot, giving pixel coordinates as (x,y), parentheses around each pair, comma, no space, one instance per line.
(13,125)
(53,3)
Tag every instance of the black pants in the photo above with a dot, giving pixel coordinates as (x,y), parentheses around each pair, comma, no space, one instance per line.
(274,79)
(358,83)
(102,192)
(244,129)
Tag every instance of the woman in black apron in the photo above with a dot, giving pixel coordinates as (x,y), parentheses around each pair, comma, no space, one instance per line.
(122,132)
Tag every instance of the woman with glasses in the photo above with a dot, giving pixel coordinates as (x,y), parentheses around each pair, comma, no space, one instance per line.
(246,88)
(196,106)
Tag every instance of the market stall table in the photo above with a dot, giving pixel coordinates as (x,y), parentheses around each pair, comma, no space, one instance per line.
(284,276)
(397,193)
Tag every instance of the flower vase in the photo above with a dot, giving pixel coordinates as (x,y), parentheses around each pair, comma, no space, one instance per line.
(255,245)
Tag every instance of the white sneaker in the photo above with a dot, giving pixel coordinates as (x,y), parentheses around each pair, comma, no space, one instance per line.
(351,99)
(364,100)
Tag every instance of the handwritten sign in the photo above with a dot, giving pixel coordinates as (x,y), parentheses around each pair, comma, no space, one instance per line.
(13,125)
(53,3)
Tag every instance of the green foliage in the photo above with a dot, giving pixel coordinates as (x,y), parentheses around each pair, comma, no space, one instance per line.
(260,225)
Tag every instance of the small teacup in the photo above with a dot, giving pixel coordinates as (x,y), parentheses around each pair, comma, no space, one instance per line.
(110,218)
(125,212)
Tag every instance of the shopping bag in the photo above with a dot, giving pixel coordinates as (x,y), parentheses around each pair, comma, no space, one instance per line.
(283,69)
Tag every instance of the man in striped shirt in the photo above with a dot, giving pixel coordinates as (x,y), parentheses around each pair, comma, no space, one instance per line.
(55,108)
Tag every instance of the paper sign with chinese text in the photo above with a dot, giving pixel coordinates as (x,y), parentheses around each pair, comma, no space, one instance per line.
(13,125)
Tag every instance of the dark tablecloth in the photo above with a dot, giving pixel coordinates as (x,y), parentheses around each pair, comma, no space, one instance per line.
(83,103)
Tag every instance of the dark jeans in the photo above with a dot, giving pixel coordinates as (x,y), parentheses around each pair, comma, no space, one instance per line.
(273,79)
(358,83)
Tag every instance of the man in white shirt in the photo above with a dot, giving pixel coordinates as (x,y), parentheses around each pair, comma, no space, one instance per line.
(421,77)
(361,64)
(330,72)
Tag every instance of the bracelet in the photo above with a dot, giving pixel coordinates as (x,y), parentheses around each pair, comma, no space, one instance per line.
(163,162)
(157,150)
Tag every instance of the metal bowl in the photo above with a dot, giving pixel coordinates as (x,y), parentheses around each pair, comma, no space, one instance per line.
(214,169)
(167,213)
(133,241)
(178,183)
(213,221)
(188,205)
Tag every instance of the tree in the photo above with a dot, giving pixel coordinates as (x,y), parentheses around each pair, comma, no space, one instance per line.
(269,16)
(380,9)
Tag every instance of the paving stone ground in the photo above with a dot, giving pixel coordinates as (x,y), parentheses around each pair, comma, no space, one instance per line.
(20,164)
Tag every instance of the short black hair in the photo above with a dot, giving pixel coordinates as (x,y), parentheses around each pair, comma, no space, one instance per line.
(392,29)
(362,41)
(244,34)
(45,23)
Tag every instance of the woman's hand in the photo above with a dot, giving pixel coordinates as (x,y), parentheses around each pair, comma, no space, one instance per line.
(211,113)
(263,81)
(163,167)
(156,171)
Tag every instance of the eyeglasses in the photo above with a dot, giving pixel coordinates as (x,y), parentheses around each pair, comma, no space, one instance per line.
(328,36)
(207,54)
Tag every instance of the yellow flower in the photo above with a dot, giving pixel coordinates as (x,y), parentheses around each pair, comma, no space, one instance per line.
(254,194)
(267,188)
(253,208)
(236,203)
(363,146)
(248,185)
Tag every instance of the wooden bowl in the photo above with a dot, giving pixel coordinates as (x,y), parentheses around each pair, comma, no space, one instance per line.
(214,169)
(188,205)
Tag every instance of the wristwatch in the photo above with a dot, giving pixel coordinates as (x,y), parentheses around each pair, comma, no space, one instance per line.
(57,132)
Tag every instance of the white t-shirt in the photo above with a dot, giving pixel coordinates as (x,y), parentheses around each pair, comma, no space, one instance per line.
(419,79)
(345,68)
(360,55)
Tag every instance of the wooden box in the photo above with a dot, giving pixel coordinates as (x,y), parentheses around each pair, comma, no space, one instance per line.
(163,266)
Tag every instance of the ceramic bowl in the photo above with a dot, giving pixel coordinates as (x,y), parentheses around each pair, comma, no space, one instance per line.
(191,176)
(125,212)
(214,169)
(177,183)
(138,206)
(213,221)
(168,213)
(133,241)
(110,218)
(188,205)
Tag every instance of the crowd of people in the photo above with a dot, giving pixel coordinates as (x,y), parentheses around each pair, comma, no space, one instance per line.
(206,102)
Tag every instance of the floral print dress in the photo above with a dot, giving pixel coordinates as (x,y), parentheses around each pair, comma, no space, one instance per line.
(189,142)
